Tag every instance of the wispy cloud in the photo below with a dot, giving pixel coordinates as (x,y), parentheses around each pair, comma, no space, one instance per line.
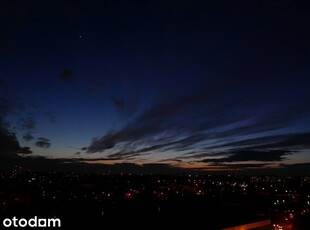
(43,143)
(28,125)
(153,121)
(197,124)
(28,136)
(251,155)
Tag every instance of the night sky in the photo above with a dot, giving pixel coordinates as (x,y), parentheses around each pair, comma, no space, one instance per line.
(155,86)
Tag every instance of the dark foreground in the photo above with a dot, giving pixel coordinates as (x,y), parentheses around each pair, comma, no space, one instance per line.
(183,201)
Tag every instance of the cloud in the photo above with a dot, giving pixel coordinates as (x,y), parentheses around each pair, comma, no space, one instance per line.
(28,123)
(272,120)
(10,153)
(43,143)
(251,155)
(215,120)
(9,144)
(67,75)
(125,153)
(10,148)
(82,159)
(294,141)
(240,166)
(99,145)
(300,140)
(149,123)
(28,137)
(196,155)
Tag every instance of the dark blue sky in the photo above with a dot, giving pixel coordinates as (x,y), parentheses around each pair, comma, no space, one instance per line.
(155,85)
